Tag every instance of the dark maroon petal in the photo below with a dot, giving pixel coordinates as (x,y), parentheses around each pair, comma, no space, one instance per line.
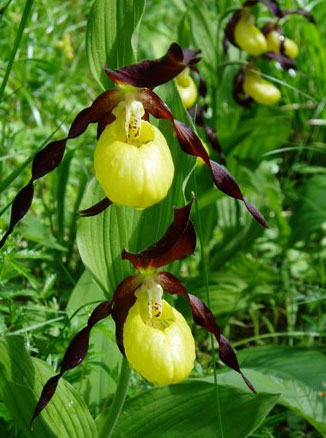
(119,314)
(191,57)
(197,114)
(302,12)
(150,73)
(256,214)
(104,121)
(20,206)
(124,298)
(214,142)
(74,355)
(178,241)
(190,142)
(284,60)
(96,209)
(229,30)
(127,287)
(223,179)
(155,105)
(102,105)
(51,155)
(203,317)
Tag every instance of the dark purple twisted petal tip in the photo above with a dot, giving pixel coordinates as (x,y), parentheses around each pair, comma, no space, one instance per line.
(74,355)
(203,316)
(178,241)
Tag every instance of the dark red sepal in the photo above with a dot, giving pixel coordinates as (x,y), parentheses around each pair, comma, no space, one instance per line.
(178,241)
(150,73)
(154,105)
(74,355)
(203,317)
(51,155)
(96,209)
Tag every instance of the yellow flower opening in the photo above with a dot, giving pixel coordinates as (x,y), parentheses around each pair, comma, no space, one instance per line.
(290,47)
(261,91)
(132,160)
(186,88)
(248,37)
(157,339)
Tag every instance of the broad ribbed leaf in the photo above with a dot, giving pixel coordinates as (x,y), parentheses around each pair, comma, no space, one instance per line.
(21,382)
(111,37)
(190,409)
(297,374)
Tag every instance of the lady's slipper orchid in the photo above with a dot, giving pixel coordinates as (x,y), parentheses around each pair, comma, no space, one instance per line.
(249,86)
(247,36)
(259,89)
(153,336)
(129,105)
(278,43)
(242,32)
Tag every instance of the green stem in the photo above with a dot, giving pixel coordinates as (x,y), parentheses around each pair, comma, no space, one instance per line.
(220,433)
(19,35)
(118,401)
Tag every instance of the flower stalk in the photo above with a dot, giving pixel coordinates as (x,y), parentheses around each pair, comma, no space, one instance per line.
(119,398)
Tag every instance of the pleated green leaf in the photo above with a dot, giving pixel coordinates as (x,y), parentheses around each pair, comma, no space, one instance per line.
(112,33)
(190,409)
(297,374)
(21,382)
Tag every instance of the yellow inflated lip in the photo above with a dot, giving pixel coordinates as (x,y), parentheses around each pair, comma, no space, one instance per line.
(137,173)
(161,350)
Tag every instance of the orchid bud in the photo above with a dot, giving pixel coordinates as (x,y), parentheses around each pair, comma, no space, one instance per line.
(186,88)
(247,36)
(132,160)
(261,91)
(157,339)
(274,39)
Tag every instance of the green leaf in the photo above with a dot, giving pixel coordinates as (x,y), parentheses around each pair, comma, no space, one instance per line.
(310,213)
(190,409)
(102,238)
(21,382)
(111,36)
(297,374)
(204,35)
(104,357)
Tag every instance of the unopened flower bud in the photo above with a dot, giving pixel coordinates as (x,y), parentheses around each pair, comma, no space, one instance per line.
(248,37)
(261,91)
(132,160)
(157,339)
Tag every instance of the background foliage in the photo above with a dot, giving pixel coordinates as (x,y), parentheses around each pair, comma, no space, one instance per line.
(267,287)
